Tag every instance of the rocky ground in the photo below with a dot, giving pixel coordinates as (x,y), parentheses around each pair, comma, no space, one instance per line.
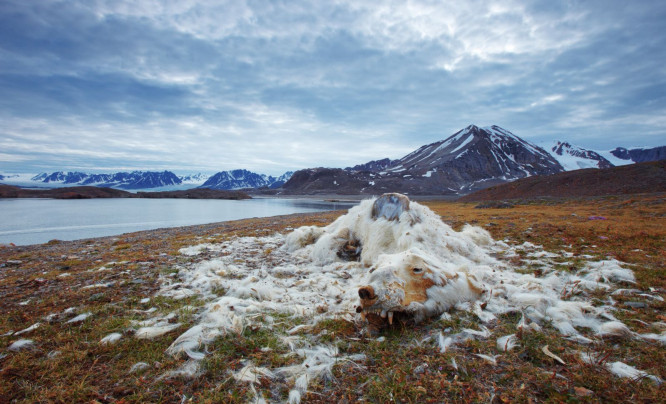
(60,299)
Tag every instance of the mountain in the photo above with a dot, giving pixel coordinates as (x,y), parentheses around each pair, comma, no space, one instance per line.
(281,180)
(135,180)
(640,155)
(124,180)
(574,157)
(637,178)
(194,179)
(479,154)
(375,165)
(330,181)
(472,158)
(62,177)
(241,179)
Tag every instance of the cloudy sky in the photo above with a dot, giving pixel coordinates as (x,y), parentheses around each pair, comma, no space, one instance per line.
(271,86)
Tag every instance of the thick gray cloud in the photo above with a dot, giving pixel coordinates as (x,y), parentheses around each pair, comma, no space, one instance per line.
(279,85)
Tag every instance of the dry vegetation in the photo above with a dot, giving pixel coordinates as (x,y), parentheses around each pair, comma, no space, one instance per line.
(68,364)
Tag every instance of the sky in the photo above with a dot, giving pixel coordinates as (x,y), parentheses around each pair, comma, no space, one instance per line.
(271,86)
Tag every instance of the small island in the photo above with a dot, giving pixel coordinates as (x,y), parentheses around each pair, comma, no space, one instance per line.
(9,191)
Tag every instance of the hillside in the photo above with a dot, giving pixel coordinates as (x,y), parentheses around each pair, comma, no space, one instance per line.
(198,193)
(8,191)
(631,179)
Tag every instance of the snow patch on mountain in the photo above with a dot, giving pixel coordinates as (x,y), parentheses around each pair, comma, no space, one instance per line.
(194,179)
(573,157)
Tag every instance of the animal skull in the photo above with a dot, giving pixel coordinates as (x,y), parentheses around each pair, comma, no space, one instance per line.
(411,284)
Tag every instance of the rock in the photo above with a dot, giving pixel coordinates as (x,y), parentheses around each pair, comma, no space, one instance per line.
(494,205)
(96,297)
(420,369)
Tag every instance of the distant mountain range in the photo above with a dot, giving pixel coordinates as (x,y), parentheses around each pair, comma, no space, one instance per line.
(471,159)
(135,180)
(132,180)
(240,179)
(640,155)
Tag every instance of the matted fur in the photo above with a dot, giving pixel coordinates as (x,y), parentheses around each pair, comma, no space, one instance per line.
(302,274)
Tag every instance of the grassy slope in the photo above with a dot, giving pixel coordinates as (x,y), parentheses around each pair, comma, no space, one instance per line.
(639,178)
(400,368)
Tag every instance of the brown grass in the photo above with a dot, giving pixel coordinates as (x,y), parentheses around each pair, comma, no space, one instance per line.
(69,365)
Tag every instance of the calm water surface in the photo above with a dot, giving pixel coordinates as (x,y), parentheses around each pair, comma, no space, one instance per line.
(33,221)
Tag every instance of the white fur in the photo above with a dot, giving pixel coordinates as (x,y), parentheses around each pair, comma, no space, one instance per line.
(301,275)
(80,318)
(623,370)
(111,339)
(21,345)
(29,329)
(507,342)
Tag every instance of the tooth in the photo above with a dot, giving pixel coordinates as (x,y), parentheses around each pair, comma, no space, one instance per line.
(383,313)
(390,316)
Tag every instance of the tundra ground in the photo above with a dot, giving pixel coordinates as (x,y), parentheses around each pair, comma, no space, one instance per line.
(80,292)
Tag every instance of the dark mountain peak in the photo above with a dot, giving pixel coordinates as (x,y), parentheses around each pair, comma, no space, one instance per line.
(374,165)
(640,154)
(621,153)
(559,147)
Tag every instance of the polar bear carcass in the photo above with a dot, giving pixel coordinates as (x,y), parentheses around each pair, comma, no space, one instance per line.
(416,264)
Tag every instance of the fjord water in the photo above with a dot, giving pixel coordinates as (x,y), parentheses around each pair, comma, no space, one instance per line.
(34,221)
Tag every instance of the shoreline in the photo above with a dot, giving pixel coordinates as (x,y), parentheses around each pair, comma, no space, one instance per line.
(193,229)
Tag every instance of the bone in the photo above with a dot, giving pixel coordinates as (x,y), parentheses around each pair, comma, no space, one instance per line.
(390,206)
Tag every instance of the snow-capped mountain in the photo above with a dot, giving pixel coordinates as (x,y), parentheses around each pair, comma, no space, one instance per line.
(240,179)
(474,153)
(281,180)
(472,158)
(575,158)
(62,177)
(194,179)
(137,180)
(124,180)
